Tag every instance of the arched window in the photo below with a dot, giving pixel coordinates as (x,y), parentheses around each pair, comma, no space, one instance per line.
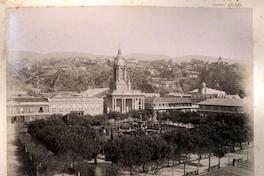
(40,109)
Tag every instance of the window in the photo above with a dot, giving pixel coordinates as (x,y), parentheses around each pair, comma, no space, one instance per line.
(13,110)
(40,109)
(13,120)
(10,110)
(21,110)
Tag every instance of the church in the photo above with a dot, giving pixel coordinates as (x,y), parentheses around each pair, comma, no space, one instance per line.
(121,98)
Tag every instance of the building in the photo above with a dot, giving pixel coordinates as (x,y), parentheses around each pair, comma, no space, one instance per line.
(205,93)
(121,98)
(23,108)
(192,74)
(26,108)
(65,104)
(53,94)
(223,105)
(163,104)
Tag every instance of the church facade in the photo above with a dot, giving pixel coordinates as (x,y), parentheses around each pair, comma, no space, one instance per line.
(121,98)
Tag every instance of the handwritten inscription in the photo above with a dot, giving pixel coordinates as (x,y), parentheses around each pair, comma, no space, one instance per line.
(234,4)
(228,3)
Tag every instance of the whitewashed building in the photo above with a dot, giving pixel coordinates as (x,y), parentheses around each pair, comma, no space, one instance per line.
(65,104)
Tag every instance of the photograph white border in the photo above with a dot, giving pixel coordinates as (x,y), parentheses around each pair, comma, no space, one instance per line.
(258,42)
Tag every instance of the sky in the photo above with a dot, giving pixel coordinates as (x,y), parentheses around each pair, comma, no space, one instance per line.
(153,30)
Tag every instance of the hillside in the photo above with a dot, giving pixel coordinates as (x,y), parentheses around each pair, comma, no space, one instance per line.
(80,71)
(187,58)
(209,59)
(20,59)
(16,58)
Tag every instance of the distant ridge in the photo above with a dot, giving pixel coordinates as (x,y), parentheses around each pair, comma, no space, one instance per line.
(187,58)
(209,59)
(20,59)
(56,55)
(23,58)
(144,56)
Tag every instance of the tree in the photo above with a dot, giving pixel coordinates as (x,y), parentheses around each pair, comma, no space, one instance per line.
(219,152)
(172,140)
(216,75)
(136,151)
(160,149)
(203,145)
(144,147)
(75,139)
(113,150)
(185,143)
(112,169)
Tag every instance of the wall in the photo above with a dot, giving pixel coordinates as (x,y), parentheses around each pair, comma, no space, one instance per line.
(64,105)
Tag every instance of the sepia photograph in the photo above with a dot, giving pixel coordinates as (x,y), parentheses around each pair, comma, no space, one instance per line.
(119,91)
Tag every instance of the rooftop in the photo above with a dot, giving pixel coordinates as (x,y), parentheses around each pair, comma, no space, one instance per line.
(97,92)
(176,95)
(208,91)
(52,94)
(67,95)
(168,100)
(29,99)
(16,93)
(224,102)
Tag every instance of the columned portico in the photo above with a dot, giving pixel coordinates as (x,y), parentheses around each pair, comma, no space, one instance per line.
(126,104)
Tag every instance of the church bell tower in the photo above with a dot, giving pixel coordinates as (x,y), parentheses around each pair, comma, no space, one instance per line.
(121,79)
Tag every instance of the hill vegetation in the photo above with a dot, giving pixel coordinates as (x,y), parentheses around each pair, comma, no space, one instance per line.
(161,76)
